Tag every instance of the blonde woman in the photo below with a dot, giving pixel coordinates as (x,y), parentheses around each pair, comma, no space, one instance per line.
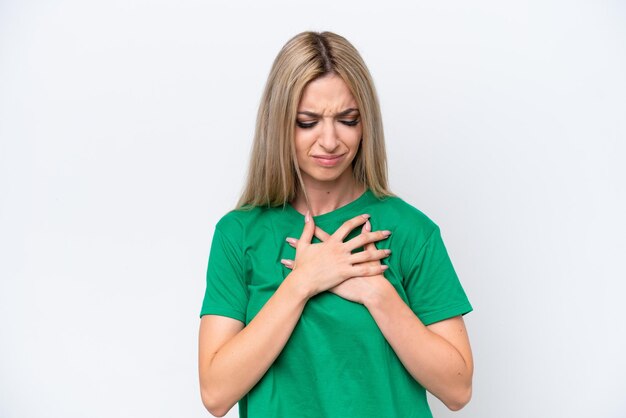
(328,296)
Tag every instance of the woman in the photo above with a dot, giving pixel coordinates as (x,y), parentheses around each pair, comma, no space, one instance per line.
(361,313)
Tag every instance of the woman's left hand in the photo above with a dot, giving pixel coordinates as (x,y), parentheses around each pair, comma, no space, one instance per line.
(355,289)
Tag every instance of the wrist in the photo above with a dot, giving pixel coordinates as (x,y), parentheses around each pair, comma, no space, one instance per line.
(379,293)
(298,287)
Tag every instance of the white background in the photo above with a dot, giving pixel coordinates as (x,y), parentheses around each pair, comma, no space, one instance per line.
(125,128)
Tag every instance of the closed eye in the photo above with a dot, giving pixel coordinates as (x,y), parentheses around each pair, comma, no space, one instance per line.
(305,125)
(352,122)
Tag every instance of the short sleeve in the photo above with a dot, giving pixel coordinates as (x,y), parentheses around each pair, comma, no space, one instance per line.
(432,285)
(226,292)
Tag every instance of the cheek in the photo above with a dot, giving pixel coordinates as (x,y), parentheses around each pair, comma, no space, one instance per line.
(302,142)
(352,137)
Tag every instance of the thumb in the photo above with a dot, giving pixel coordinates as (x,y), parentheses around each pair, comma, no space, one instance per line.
(308,231)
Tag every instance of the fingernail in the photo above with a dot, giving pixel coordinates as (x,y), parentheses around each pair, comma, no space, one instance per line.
(384,267)
(307,217)
(368,226)
(386,233)
(290,240)
(387,251)
(366,216)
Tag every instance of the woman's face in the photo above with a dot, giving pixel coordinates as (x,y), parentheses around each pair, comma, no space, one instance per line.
(328,130)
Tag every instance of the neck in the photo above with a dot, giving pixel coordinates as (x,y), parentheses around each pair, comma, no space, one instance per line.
(325,197)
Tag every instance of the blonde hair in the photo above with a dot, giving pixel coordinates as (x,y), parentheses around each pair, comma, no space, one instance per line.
(273,167)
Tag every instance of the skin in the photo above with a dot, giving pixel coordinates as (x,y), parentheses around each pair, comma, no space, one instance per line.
(233,358)
(328,134)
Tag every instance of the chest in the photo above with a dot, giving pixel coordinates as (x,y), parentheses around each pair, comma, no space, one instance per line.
(264,274)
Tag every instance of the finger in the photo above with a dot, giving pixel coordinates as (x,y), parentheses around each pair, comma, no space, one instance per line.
(321,234)
(366,238)
(368,269)
(287,263)
(342,232)
(307,231)
(369,255)
(368,228)
(371,246)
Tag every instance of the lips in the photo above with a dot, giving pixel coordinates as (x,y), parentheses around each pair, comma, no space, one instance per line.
(328,160)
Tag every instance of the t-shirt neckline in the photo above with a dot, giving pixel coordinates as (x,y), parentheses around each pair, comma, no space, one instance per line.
(341,213)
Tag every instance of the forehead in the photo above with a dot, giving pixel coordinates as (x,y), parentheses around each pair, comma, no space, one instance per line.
(327,94)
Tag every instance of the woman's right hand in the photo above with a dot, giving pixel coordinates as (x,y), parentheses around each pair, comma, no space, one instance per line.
(324,265)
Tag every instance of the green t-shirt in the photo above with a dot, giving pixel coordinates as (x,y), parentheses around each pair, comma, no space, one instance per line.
(337,362)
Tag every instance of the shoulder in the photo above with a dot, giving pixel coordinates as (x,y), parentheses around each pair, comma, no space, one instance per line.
(411,230)
(405,217)
(237,221)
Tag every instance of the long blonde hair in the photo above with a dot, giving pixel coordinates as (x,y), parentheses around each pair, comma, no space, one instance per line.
(273,167)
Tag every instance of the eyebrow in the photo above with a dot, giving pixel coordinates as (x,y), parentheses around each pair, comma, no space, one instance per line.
(340,114)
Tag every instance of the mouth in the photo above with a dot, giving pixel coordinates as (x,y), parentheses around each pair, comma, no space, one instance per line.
(328,160)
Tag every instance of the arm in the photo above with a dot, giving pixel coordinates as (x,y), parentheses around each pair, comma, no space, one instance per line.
(438,355)
(233,358)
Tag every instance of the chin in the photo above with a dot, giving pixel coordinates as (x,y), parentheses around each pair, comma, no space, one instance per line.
(326,175)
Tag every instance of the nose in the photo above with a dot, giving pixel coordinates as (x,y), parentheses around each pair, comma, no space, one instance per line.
(328,136)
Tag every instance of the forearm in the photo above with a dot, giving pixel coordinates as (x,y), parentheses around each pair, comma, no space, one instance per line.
(241,362)
(432,360)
